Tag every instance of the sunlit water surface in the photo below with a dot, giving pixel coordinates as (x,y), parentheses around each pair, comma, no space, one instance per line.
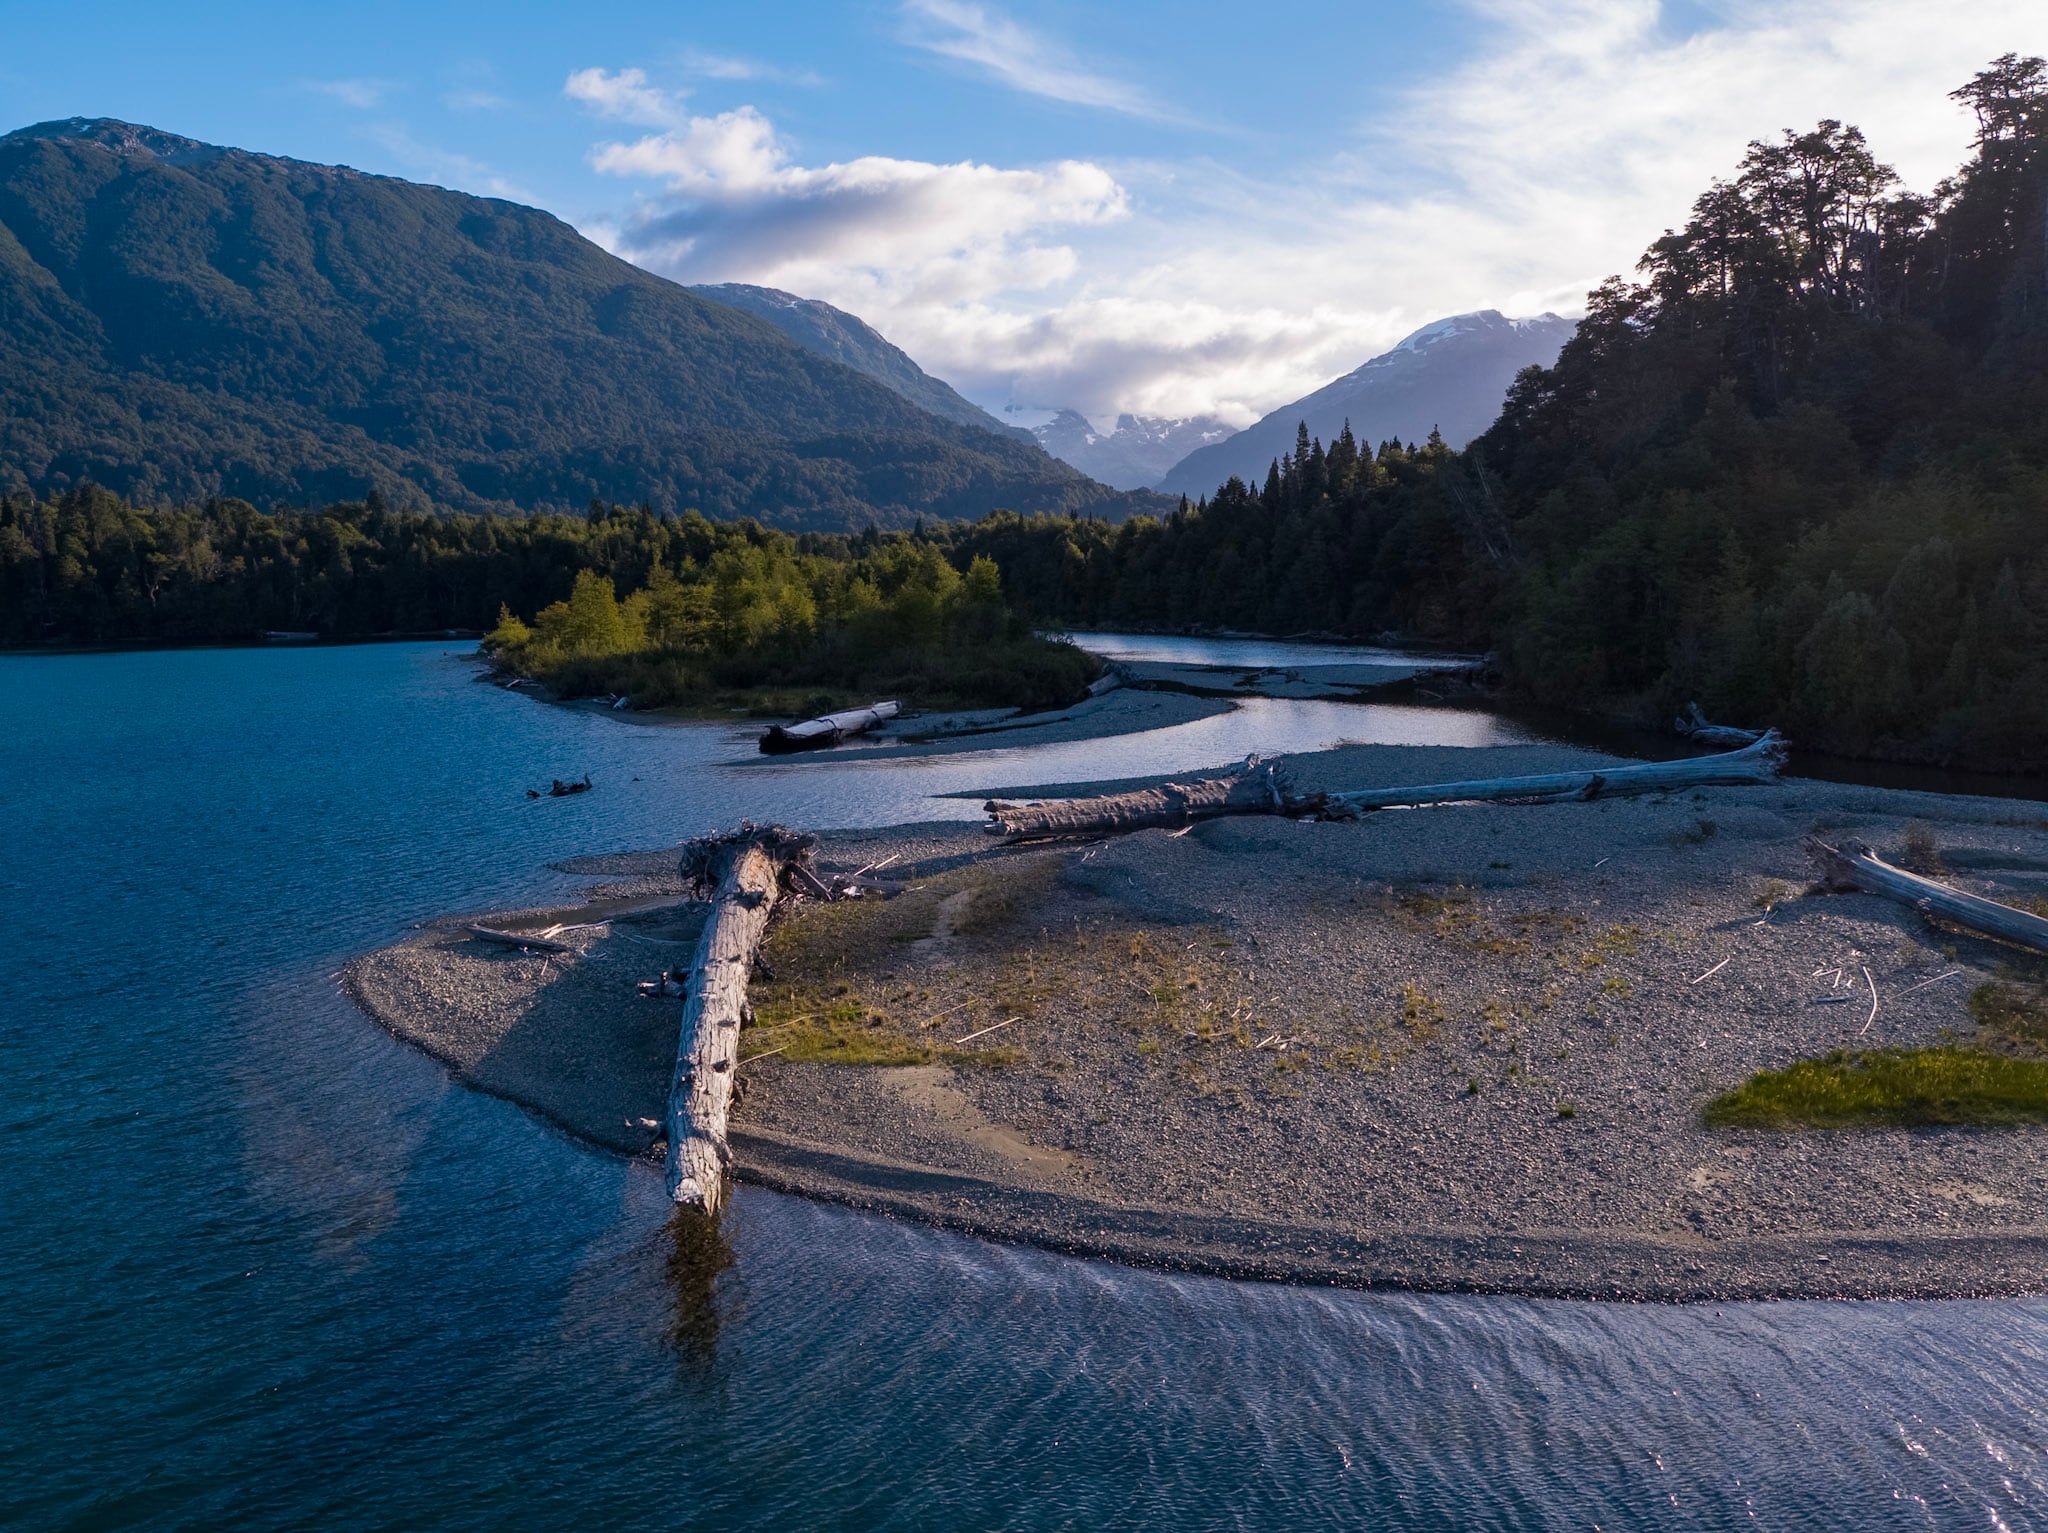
(1260,653)
(267,1268)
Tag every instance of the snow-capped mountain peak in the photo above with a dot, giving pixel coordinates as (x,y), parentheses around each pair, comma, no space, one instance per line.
(1451,375)
(1136,452)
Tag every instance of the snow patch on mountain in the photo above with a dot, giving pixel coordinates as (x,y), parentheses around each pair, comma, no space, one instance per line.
(1450,375)
(1134,453)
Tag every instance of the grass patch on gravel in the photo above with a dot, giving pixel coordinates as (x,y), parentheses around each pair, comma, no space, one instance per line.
(842,1032)
(2013,1015)
(1889,1088)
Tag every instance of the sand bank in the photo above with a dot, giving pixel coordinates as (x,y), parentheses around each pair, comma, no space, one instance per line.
(1458,1048)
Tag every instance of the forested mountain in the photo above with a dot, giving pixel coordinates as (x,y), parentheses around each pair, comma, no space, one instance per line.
(1798,472)
(1450,377)
(818,327)
(181,320)
(1133,454)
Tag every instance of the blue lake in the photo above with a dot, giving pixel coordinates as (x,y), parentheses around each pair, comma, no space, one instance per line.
(267,1268)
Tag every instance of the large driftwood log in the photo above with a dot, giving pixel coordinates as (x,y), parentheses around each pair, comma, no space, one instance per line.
(744,873)
(1853,865)
(1252,790)
(1257,790)
(826,729)
(1753,764)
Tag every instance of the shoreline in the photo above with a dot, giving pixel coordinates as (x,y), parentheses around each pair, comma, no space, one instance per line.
(1115,1122)
(1620,1266)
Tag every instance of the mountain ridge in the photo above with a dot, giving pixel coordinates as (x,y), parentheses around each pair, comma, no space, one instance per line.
(192,320)
(833,332)
(1451,375)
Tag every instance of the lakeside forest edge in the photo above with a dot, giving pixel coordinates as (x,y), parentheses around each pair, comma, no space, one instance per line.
(1795,471)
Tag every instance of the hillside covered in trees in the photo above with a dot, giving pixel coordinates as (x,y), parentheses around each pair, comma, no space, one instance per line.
(183,321)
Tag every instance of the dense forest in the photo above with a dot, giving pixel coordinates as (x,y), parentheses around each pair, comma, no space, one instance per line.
(710,609)
(1798,472)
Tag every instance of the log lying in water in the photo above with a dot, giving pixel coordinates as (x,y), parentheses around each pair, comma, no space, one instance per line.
(1853,865)
(1252,790)
(744,873)
(826,729)
(1752,765)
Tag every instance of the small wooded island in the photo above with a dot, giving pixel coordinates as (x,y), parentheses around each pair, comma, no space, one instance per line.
(1604,1035)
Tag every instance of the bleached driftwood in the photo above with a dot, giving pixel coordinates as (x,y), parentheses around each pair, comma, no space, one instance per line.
(1694,726)
(744,874)
(1753,764)
(520,939)
(1256,789)
(826,729)
(1853,865)
(1253,789)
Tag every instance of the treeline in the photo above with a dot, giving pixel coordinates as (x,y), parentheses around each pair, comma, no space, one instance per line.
(663,608)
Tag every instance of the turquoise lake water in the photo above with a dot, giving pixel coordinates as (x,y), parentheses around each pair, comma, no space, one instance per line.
(267,1268)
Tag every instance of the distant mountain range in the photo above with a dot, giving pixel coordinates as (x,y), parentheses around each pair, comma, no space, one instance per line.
(1451,376)
(1136,453)
(181,320)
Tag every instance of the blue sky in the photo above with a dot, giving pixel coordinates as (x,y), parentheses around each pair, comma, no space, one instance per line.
(1169,209)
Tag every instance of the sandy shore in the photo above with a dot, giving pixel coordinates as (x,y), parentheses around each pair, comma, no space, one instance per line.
(1125,711)
(1455,1048)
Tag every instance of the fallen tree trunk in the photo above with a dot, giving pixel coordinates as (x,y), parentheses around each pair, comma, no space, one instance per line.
(744,873)
(1257,790)
(1853,865)
(1253,790)
(826,729)
(1752,765)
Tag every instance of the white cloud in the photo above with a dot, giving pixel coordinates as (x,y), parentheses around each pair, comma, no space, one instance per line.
(474,101)
(737,207)
(727,66)
(1573,134)
(363,95)
(626,96)
(985,39)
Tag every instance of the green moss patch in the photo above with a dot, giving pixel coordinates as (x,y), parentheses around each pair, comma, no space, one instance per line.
(1889,1088)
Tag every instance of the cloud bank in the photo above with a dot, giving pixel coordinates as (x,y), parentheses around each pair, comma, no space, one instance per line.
(1546,161)
(735,207)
